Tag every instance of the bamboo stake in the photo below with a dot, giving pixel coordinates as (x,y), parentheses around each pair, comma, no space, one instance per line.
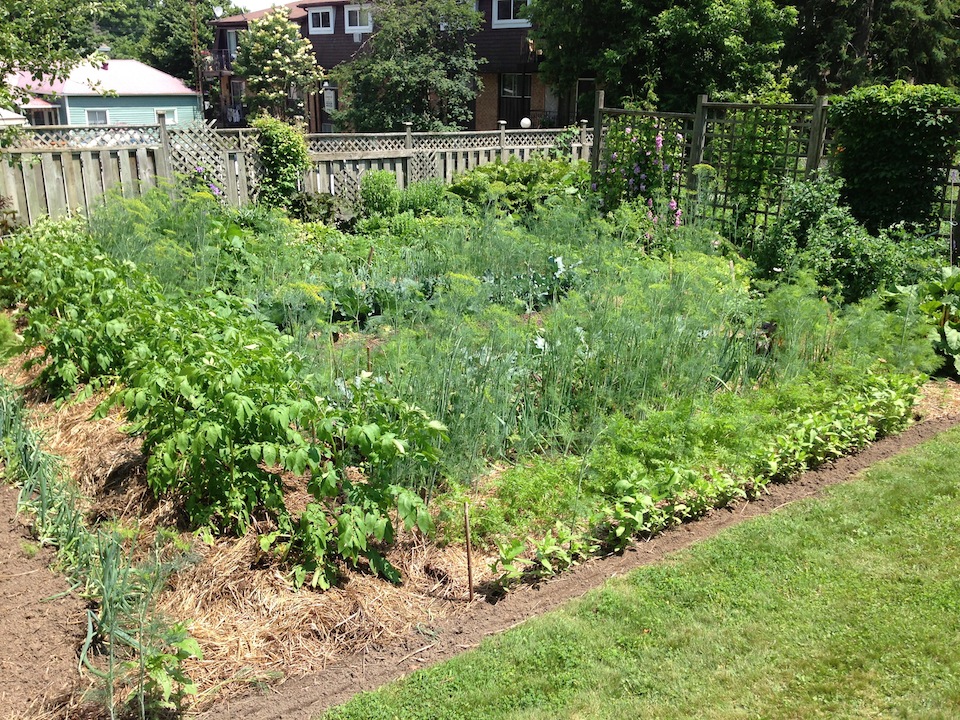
(466,526)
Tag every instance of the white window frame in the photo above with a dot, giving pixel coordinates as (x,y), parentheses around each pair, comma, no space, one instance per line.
(348,28)
(106,115)
(498,22)
(329,12)
(170,113)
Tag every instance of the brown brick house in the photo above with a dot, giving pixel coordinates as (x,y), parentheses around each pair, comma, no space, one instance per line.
(512,88)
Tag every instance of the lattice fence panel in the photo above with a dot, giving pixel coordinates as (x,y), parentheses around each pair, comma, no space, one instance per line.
(755,150)
(346,185)
(424,166)
(456,141)
(356,143)
(90,137)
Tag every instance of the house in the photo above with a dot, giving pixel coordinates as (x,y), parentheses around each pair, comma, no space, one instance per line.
(114,92)
(512,88)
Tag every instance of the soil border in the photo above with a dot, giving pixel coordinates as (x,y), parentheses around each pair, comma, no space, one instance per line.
(305,697)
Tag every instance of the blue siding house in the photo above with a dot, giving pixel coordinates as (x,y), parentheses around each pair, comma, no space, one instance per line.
(116,92)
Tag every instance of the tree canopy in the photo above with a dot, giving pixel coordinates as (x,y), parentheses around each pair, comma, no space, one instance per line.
(157,32)
(419,66)
(278,64)
(665,51)
(33,40)
(668,51)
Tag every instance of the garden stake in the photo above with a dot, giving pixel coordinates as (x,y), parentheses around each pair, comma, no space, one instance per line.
(466,528)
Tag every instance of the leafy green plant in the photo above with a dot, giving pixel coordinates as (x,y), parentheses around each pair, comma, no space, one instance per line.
(517,186)
(939,302)
(284,158)
(379,194)
(892,146)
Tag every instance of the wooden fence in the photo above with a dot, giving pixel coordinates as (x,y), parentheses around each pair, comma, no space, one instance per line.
(753,151)
(63,170)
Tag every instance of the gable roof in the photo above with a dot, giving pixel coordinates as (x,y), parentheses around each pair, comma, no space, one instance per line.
(296,10)
(122,77)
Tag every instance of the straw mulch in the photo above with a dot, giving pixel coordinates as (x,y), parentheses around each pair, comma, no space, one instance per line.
(240,605)
(253,626)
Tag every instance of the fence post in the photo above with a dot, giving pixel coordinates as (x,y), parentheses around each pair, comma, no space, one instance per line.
(583,141)
(408,139)
(818,133)
(697,141)
(502,125)
(597,137)
(165,163)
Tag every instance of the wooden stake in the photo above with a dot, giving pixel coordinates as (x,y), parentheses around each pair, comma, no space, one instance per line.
(466,527)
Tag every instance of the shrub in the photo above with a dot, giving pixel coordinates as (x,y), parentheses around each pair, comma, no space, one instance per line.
(818,233)
(429,197)
(379,194)
(284,157)
(892,146)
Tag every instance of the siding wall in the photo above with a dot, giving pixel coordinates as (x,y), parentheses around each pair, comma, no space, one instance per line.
(138,110)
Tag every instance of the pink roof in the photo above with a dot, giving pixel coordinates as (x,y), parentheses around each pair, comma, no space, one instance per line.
(123,77)
(37,104)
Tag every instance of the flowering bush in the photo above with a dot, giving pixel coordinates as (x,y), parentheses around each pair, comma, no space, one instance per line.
(641,165)
(200,180)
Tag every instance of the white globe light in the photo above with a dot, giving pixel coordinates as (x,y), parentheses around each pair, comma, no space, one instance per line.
(525,123)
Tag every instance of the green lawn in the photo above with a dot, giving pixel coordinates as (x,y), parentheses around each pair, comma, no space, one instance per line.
(847,607)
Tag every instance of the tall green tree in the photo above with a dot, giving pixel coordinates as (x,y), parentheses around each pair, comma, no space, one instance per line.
(278,64)
(667,51)
(178,32)
(36,37)
(840,44)
(419,66)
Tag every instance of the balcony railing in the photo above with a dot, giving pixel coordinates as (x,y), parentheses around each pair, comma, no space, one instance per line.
(217,62)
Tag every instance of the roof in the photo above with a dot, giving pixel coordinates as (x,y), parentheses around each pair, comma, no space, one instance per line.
(297,10)
(36,103)
(8,118)
(120,77)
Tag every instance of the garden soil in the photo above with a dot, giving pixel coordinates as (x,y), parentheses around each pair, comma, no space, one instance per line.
(41,628)
(41,624)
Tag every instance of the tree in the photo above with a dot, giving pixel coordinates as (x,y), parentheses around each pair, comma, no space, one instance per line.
(840,44)
(278,64)
(417,67)
(169,44)
(667,51)
(33,40)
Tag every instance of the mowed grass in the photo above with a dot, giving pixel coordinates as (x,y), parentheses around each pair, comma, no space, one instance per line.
(844,607)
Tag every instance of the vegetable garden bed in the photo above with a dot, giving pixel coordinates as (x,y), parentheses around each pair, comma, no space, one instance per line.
(274,426)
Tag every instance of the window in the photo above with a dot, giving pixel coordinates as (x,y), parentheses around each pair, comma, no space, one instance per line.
(515,85)
(170,115)
(321,21)
(232,38)
(506,14)
(358,19)
(97,117)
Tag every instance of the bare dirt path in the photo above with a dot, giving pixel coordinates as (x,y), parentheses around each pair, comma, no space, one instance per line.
(41,624)
(306,697)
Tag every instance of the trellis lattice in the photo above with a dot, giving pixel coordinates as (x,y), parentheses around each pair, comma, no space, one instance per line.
(346,186)
(90,137)
(320,144)
(424,166)
(756,149)
(456,141)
